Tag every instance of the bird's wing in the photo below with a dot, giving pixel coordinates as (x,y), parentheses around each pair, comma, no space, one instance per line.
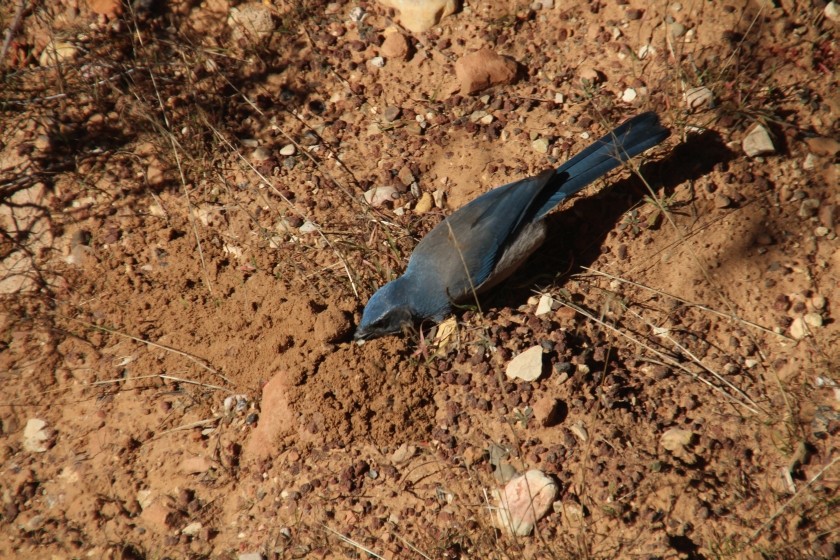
(461,252)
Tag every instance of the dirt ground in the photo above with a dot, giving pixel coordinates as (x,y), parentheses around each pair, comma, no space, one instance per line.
(187,249)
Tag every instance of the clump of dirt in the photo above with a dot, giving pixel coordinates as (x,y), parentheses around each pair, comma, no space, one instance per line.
(199,199)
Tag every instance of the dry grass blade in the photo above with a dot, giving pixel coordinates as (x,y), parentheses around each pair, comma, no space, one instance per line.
(195,359)
(160,376)
(793,498)
(351,542)
(685,301)
(664,357)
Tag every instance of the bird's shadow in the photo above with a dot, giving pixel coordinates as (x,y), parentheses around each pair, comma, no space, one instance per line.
(576,235)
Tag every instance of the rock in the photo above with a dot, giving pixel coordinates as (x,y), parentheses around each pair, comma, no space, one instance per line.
(57,52)
(377,62)
(699,97)
(527,366)
(439,197)
(391,113)
(308,227)
(377,196)
(158,517)
(676,29)
(722,201)
(823,146)
(629,95)
(36,436)
(546,305)
(547,411)
(405,176)
(195,465)
(588,74)
(260,155)
(484,68)
(107,8)
(250,22)
(540,145)
(395,46)
(421,15)
(809,208)
(424,204)
(678,442)
(277,420)
(813,319)
(757,142)
(580,431)
(287,150)
(832,11)
(403,453)
(524,500)
(192,529)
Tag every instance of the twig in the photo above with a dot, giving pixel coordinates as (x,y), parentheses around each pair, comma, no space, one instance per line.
(791,500)
(12,30)
(350,541)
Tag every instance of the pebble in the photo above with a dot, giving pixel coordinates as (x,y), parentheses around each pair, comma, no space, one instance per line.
(250,22)
(676,29)
(391,113)
(439,197)
(527,366)
(395,46)
(421,15)
(808,208)
(546,305)
(36,436)
(589,74)
(540,145)
(524,500)
(260,155)
(57,52)
(813,319)
(405,176)
(308,227)
(722,201)
(484,68)
(424,204)
(192,529)
(377,62)
(629,95)
(403,453)
(287,150)
(823,146)
(798,329)
(698,97)
(832,11)
(580,431)
(547,411)
(377,196)
(757,142)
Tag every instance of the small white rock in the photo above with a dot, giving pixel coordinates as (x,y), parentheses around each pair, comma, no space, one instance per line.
(192,529)
(832,11)
(798,329)
(629,95)
(527,366)
(757,142)
(524,500)
(36,436)
(813,320)
(377,62)
(377,196)
(546,305)
(540,145)
(698,97)
(287,150)
(308,227)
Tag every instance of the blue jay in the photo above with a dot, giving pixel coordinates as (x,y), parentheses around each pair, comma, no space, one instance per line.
(485,241)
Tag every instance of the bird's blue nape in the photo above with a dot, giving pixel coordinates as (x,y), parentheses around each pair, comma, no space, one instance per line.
(387,312)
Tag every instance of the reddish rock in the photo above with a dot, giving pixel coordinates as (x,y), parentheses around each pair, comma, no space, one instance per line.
(276,419)
(482,69)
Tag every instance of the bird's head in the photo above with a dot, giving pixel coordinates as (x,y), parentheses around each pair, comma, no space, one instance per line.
(388,312)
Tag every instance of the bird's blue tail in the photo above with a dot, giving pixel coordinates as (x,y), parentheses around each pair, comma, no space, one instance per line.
(629,139)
